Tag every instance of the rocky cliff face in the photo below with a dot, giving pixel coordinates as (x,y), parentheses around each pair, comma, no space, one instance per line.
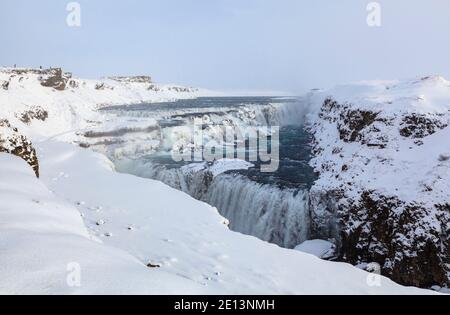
(55,78)
(384,188)
(11,141)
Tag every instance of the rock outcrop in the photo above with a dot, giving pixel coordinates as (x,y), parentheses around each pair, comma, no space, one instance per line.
(55,78)
(383,192)
(34,113)
(5,85)
(12,142)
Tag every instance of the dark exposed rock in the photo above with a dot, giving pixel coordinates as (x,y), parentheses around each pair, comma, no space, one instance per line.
(395,234)
(100,86)
(151,265)
(399,237)
(180,89)
(11,141)
(444,157)
(55,78)
(353,122)
(353,125)
(154,87)
(35,113)
(5,85)
(84,145)
(325,210)
(73,84)
(133,79)
(329,106)
(408,239)
(420,126)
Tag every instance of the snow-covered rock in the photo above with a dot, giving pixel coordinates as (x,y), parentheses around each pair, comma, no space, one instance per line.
(69,102)
(11,141)
(384,187)
(319,248)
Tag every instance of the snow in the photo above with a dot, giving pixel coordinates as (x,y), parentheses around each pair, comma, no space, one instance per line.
(384,161)
(402,167)
(224,165)
(319,248)
(218,167)
(43,233)
(74,108)
(81,213)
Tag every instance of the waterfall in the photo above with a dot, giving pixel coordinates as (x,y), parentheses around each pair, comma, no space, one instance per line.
(273,214)
(267,212)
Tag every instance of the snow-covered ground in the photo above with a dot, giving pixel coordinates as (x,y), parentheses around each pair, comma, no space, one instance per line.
(82,228)
(74,107)
(83,215)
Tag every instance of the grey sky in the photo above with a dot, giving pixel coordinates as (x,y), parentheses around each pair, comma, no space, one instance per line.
(288,45)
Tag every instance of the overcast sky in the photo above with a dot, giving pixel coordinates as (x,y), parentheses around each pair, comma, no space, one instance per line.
(288,45)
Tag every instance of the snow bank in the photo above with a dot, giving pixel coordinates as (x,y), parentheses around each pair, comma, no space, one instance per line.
(319,248)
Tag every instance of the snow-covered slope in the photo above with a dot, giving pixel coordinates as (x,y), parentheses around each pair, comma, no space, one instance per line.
(383,153)
(44,243)
(68,102)
(130,223)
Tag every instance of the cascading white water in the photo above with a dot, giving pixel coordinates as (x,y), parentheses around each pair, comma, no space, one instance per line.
(269,213)
(279,216)
(273,214)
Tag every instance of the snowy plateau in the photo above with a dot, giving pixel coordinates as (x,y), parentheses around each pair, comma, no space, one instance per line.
(70,223)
